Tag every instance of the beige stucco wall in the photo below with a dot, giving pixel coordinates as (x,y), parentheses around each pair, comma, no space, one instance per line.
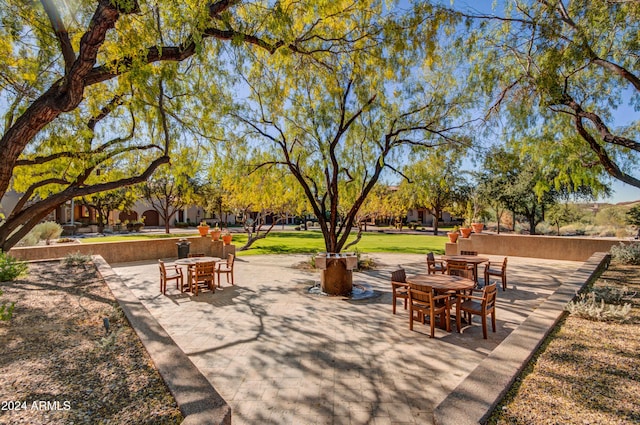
(124,252)
(550,247)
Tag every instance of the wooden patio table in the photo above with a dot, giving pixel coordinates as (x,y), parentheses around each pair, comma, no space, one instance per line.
(443,283)
(190,261)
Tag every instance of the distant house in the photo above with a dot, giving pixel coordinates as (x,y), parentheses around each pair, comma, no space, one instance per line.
(142,211)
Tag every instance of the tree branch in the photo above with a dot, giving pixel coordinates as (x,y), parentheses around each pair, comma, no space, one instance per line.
(34,213)
(61,33)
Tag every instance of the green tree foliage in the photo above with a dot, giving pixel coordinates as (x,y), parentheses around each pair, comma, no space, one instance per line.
(558,73)
(261,196)
(563,213)
(633,218)
(492,183)
(435,182)
(115,83)
(172,188)
(119,199)
(10,267)
(338,121)
(611,216)
(386,204)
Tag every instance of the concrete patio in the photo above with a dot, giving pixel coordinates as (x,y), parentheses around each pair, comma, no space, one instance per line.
(279,355)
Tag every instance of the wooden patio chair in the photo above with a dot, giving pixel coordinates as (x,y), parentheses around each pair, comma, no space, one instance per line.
(471,266)
(399,287)
(171,272)
(479,305)
(195,255)
(459,268)
(423,302)
(502,273)
(434,266)
(203,274)
(226,268)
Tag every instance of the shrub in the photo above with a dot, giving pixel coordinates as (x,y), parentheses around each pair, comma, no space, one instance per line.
(43,231)
(610,216)
(47,231)
(612,294)
(365,263)
(626,253)
(11,268)
(75,259)
(545,228)
(30,239)
(573,229)
(608,232)
(587,307)
(623,233)
(6,311)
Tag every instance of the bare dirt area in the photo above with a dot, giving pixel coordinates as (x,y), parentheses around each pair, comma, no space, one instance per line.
(588,372)
(59,365)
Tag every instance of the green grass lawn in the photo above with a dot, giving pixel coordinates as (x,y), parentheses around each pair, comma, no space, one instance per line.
(312,242)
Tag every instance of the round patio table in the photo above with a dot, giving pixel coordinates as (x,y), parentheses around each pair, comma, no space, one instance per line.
(191,261)
(443,282)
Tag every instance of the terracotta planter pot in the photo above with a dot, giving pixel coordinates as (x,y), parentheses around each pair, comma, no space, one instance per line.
(226,239)
(453,237)
(215,235)
(477,227)
(204,230)
(465,232)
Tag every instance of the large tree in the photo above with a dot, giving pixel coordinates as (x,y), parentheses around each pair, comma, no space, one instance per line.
(168,192)
(559,72)
(435,182)
(338,124)
(88,83)
(261,197)
(104,202)
(526,185)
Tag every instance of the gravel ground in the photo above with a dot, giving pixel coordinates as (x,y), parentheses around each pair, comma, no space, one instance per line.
(588,372)
(60,366)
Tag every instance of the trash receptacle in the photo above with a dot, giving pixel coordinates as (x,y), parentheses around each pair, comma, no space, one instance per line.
(183,248)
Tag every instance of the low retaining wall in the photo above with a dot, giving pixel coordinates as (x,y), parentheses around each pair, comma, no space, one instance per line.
(197,399)
(474,399)
(125,251)
(549,247)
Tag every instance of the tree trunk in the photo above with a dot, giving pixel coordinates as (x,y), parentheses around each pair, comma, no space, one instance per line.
(435,223)
(336,279)
(251,238)
(167,229)
(532,222)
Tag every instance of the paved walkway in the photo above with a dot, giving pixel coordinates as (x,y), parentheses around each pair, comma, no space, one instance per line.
(279,355)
